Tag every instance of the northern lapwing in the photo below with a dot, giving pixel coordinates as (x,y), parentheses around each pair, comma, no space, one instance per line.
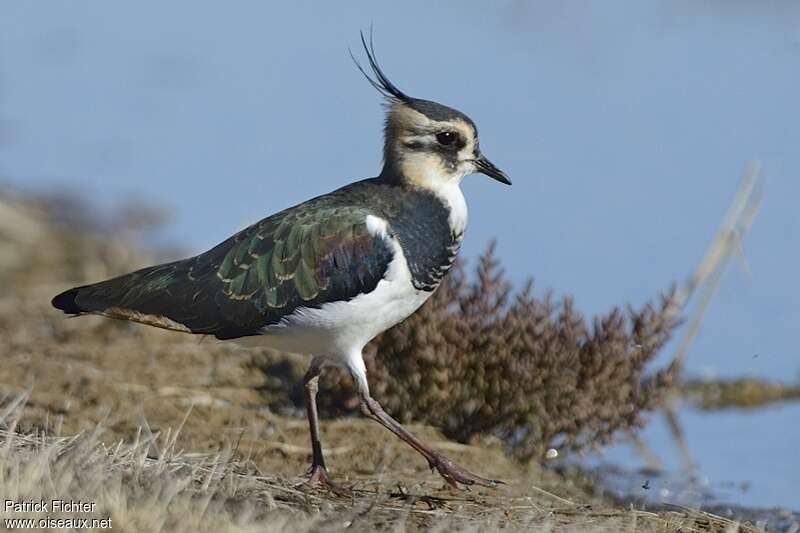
(326,276)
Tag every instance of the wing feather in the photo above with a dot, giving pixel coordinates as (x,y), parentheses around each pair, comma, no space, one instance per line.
(302,257)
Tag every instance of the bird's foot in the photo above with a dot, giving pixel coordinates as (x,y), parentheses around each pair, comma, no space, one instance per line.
(319,479)
(457,476)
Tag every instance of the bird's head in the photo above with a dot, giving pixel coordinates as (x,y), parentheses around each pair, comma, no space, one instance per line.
(426,143)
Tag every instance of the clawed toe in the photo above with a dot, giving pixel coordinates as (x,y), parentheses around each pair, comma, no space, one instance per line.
(319,479)
(459,477)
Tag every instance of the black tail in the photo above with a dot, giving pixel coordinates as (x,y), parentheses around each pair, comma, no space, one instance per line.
(164,296)
(66,302)
(129,291)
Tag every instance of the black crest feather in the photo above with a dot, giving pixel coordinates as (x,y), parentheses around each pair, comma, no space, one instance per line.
(381,83)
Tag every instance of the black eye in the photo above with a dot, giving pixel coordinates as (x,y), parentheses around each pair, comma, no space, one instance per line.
(446,138)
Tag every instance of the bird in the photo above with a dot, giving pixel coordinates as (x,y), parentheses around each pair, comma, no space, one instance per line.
(326,276)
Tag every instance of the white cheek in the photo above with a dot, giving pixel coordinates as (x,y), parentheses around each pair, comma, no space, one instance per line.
(466,156)
(468,152)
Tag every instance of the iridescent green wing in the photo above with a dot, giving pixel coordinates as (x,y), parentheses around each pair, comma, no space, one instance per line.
(303,260)
(305,256)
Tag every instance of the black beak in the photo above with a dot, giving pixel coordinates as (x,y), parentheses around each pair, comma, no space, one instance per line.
(484,166)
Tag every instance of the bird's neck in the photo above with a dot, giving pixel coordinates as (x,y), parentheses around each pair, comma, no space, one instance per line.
(427,175)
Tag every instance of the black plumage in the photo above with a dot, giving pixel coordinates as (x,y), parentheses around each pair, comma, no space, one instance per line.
(317,252)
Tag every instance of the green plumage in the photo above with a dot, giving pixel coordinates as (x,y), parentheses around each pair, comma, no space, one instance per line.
(316,252)
(292,257)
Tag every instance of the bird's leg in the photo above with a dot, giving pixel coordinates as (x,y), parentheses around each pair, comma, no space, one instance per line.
(456,475)
(319,474)
(311,386)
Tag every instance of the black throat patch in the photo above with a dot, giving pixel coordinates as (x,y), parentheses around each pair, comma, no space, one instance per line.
(420,221)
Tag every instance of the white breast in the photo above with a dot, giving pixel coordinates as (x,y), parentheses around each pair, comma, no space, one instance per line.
(452,196)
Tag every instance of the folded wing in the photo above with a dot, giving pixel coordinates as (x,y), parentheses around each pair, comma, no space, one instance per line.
(301,257)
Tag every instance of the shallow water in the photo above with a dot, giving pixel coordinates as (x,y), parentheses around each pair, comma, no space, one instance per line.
(734,459)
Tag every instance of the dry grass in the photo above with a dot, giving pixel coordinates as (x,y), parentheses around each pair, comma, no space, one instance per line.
(150,484)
